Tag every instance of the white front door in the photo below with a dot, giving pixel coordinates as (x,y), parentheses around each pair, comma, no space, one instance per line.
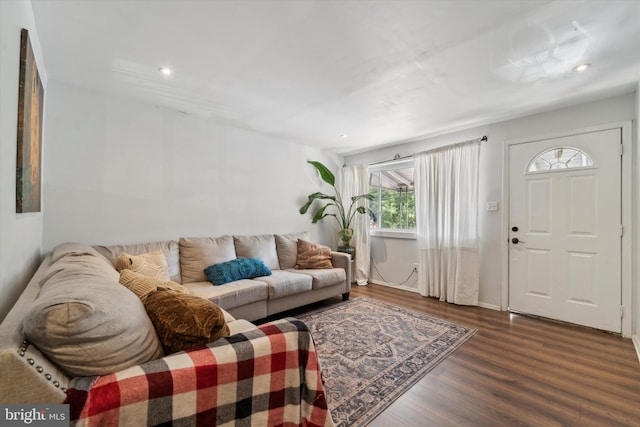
(565,229)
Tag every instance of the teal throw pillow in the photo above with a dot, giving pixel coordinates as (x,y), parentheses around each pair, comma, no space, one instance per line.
(239,268)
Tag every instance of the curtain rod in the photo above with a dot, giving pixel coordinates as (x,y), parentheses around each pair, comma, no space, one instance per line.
(398,157)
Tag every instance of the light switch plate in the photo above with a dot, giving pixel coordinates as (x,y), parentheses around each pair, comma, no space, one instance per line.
(492,206)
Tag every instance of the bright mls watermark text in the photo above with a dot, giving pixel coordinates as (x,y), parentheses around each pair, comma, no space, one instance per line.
(53,415)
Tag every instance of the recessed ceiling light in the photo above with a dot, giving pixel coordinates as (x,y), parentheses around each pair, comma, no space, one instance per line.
(344,135)
(580,68)
(165,71)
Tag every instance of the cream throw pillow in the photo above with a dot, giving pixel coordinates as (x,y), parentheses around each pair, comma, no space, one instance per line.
(153,264)
(142,285)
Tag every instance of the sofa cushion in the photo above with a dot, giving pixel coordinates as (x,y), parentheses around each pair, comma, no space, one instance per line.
(323,278)
(168,247)
(68,250)
(312,255)
(262,247)
(236,269)
(287,248)
(231,295)
(66,258)
(152,264)
(198,253)
(142,285)
(183,321)
(85,322)
(284,283)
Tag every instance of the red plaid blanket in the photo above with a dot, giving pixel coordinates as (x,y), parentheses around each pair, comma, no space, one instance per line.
(264,377)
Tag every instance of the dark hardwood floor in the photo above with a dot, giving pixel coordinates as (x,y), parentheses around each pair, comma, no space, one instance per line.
(517,371)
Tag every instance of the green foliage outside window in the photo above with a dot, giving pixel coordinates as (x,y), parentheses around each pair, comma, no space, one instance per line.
(395,208)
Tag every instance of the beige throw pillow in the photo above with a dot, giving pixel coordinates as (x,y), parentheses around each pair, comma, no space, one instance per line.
(142,285)
(169,248)
(312,255)
(153,264)
(287,247)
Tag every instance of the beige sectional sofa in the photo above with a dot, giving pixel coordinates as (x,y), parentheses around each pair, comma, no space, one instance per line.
(249,299)
(30,374)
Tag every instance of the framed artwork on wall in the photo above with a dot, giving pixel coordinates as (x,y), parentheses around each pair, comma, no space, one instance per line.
(30,107)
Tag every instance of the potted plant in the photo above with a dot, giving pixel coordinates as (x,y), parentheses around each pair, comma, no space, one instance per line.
(335,202)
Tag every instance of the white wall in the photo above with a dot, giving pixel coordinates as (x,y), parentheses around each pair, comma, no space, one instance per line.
(121,171)
(392,262)
(20,234)
(398,263)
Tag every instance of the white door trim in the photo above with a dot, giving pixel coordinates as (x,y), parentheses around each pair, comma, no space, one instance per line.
(627,223)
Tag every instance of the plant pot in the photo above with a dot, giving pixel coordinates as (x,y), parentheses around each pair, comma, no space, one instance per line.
(348,250)
(345,236)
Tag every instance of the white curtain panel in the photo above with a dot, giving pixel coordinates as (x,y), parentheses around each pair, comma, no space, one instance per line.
(355,181)
(446,194)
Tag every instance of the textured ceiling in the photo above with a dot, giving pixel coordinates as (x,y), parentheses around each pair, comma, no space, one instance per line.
(379,71)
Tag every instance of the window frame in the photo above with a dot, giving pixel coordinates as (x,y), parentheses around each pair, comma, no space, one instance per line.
(533,160)
(395,233)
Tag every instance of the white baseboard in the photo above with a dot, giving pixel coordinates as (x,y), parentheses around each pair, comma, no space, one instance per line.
(489,306)
(636,344)
(391,285)
(406,288)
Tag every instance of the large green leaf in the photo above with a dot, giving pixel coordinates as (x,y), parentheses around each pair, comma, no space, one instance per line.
(363,210)
(326,175)
(321,214)
(367,196)
(312,197)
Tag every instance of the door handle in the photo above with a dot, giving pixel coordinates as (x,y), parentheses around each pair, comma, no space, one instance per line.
(515,241)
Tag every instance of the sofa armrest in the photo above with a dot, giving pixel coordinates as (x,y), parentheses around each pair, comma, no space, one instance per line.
(249,377)
(343,260)
(27,375)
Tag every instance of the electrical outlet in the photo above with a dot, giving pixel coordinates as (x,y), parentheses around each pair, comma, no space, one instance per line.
(415,267)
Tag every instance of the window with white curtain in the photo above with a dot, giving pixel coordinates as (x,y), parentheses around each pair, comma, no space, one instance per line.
(447,226)
(391,184)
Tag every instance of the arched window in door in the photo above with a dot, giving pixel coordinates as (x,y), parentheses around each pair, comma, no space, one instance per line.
(560,158)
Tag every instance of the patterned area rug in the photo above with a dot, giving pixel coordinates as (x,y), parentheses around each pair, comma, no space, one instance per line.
(371,352)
